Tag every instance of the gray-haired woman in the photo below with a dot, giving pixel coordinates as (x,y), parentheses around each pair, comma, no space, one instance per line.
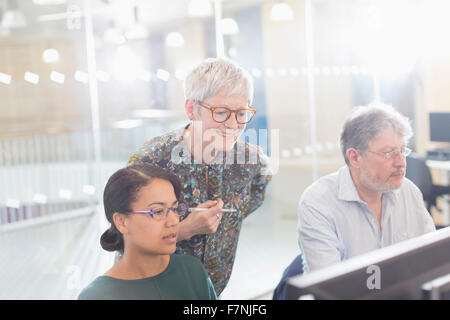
(222,175)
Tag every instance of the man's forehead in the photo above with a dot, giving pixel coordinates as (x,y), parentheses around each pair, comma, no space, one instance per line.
(388,139)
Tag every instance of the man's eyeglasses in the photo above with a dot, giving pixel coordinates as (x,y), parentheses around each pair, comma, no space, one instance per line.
(222,114)
(161,213)
(394,153)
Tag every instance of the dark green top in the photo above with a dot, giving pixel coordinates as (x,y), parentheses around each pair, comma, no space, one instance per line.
(185,278)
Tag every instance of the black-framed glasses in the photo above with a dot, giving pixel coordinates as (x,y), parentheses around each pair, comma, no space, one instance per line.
(394,153)
(222,114)
(161,213)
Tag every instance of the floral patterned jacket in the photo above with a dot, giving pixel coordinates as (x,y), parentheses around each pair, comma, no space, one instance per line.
(239,177)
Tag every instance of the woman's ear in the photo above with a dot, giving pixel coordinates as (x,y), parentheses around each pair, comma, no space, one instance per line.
(120,221)
(189,106)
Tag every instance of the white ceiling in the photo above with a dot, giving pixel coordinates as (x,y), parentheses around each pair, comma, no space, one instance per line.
(49,21)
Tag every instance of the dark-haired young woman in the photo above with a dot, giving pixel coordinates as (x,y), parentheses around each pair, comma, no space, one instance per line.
(142,204)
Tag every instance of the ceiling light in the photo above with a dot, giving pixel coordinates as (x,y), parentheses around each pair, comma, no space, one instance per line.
(232,52)
(5,78)
(13,18)
(145,75)
(13,203)
(281,12)
(88,189)
(163,74)
(136,30)
(40,198)
(65,194)
(128,124)
(174,40)
(57,77)
(102,76)
(48,2)
(113,35)
(153,113)
(256,72)
(50,55)
(200,8)
(180,74)
(229,26)
(81,76)
(126,65)
(31,77)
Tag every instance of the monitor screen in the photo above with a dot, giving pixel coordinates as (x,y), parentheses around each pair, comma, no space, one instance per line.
(439,126)
(395,272)
(437,289)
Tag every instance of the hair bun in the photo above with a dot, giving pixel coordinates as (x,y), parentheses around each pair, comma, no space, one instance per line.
(111,240)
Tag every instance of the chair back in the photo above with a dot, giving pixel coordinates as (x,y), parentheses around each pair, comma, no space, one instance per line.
(295,268)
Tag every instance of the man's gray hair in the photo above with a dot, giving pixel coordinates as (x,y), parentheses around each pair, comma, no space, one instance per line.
(367,122)
(210,76)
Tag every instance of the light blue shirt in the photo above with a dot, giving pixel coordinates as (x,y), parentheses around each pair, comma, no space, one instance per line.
(334,224)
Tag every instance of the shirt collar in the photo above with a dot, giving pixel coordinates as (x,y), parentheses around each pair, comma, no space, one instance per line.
(347,189)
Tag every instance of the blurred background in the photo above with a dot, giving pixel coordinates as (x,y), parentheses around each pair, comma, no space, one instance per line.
(83,84)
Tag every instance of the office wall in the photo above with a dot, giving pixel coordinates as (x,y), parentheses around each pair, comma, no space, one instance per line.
(23,104)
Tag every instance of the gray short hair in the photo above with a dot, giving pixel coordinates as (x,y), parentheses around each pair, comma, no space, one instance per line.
(367,122)
(210,76)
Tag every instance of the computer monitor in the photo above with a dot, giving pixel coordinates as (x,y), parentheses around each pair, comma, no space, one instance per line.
(395,272)
(437,289)
(439,126)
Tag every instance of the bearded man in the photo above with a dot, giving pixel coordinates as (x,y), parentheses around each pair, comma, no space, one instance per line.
(367,204)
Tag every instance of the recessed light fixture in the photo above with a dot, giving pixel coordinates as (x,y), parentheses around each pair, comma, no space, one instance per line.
(163,74)
(174,40)
(50,55)
(200,8)
(48,2)
(81,76)
(229,26)
(5,78)
(31,77)
(281,12)
(57,77)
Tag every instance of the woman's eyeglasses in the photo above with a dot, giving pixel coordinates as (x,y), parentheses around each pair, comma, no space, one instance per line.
(222,114)
(161,213)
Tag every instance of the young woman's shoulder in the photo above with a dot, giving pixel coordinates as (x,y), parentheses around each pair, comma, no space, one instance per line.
(186,259)
(198,276)
(189,264)
(98,289)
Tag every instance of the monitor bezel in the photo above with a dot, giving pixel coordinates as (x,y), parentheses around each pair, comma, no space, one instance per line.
(381,256)
(438,114)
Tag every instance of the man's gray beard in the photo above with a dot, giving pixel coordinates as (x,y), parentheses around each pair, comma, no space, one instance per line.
(367,181)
